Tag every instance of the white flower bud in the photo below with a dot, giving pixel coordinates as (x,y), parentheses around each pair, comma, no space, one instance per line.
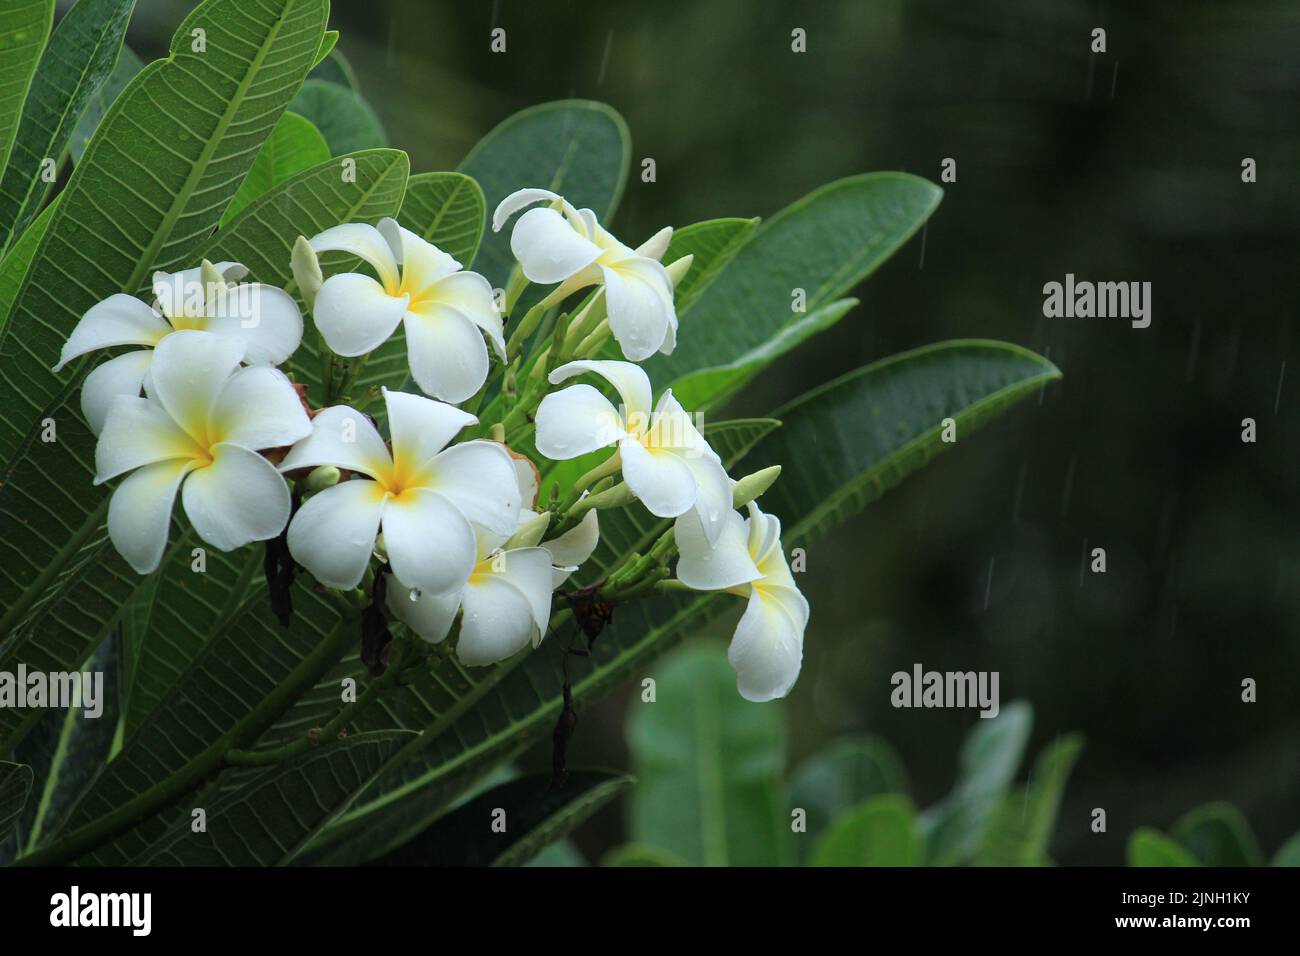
(751,486)
(306,271)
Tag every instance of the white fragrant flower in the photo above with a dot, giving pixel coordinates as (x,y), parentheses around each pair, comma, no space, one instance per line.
(198,431)
(570,550)
(422,494)
(446,311)
(568,246)
(767,648)
(265,319)
(666,462)
(506,603)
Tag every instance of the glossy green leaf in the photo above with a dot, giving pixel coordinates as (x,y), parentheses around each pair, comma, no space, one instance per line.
(1020,833)
(263,817)
(335,68)
(577,148)
(19,258)
(844,775)
(823,244)
(708,765)
(15,785)
(956,827)
(511,823)
(77,60)
(294,145)
(640,855)
(1148,847)
(24,26)
(168,157)
(344,118)
(884,831)
(1288,854)
(1218,835)
(327,43)
(714,244)
(124,71)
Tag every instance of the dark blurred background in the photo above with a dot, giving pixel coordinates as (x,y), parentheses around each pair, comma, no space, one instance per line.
(1117,166)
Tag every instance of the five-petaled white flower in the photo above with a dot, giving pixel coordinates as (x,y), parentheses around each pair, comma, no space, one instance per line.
(202,424)
(446,311)
(506,602)
(423,494)
(265,319)
(767,648)
(666,462)
(569,246)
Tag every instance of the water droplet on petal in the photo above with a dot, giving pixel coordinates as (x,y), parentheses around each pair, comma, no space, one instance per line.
(415,594)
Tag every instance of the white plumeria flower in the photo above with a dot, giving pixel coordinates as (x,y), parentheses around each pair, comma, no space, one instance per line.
(446,311)
(506,602)
(767,649)
(569,551)
(665,460)
(202,424)
(569,246)
(265,319)
(423,494)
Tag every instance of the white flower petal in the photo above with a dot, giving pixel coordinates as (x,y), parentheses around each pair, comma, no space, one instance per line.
(713,497)
(118,320)
(175,284)
(140,511)
(355,315)
(764,535)
(429,615)
(366,242)
(548,248)
(528,480)
(423,263)
(518,200)
(767,649)
(237,499)
(713,566)
(420,428)
(471,295)
(430,544)
(478,477)
(497,623)
(446,352)
(660,479)
(640,298)
(574,421)
(123,375)
(656,245)
(343,437)
(137,432)
(333,533)
(630,381)
(258,408)
(529,570)
(188,371)
(674,429)
(264,317)
(575,546)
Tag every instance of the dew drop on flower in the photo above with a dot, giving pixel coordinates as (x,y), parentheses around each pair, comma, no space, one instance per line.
(415,594)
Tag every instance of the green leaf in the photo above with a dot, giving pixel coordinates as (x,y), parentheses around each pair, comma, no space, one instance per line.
(714,244)
(1218,835)
(560,854)
(1021,830)
(638,854)
(294,145)
(19,258)
(345,119)
(824,244)
(335,68)
(327,43)
(534,814)
(847,442)
(125,70)
(24,25)
(847,773)
(708,765)
(577,148)
(446,209)
(77,60)
(881,832)
(15,784)
(1148,847)
(168,157)
(262,817)
(1288,854)
(956,826)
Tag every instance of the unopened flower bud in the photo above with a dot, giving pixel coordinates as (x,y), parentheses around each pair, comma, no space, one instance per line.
(325,476)
(677,271)
(656,245)
(530,532)
(751,486)
(306,270)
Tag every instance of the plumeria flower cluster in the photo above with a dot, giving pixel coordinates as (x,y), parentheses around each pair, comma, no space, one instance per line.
(401,498)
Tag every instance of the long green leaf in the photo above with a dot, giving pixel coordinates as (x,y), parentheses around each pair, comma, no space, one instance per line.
(708,765)
(824,245)
(345,119)
(849,772)
(148,192)
(24,26)
(884,831)
(1218,835)
(15,785)
(511,823)
(1148,847)
(19,258)
(76,62)
(294,145)
(1021,830)
(124,71)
